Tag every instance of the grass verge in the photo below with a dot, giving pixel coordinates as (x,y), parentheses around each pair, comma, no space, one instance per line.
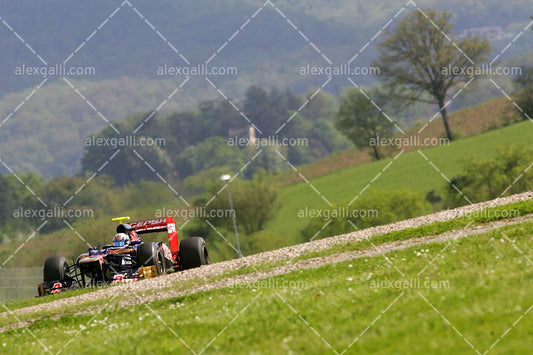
(467,221)
(482,286)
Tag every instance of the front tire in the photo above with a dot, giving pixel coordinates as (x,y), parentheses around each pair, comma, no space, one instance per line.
(55,268)
(149,254)
(193,253)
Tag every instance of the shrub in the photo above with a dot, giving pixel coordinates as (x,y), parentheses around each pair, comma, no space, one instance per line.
(509,173)
(371,209)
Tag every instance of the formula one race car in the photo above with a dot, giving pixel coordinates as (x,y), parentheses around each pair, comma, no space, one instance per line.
(128,259)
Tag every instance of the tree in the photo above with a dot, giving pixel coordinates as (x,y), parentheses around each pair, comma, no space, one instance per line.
(524,100)
(417,59)
(59,195)
(269,110)
(321,106)
(253,200)
(217,118)
(130,163)
(374,208)
(506,174)
(361,121)
(214,152)
(8,203)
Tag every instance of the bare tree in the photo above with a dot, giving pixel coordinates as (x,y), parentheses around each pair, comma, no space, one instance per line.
(420,60)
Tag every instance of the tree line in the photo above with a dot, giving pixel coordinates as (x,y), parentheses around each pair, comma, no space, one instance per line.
(203,139)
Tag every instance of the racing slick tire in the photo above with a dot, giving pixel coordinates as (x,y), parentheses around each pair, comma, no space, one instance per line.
(193,253)
(55,268)
(149,254)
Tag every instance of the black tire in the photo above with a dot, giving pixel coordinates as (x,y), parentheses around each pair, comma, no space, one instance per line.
(149,254)
(55,268)
(193,253)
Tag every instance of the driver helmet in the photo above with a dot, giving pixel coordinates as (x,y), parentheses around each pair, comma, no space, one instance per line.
(120,240)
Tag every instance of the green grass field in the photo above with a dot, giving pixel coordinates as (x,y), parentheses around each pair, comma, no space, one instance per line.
(410,172)
(480,295)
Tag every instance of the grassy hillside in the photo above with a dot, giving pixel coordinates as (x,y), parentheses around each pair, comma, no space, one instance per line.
(476,298)
(410,171)
(466,122)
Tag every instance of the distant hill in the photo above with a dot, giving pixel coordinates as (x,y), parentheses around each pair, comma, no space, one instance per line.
(45,134)
(267,49)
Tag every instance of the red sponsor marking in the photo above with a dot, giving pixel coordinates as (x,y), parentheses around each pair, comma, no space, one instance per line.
(56,288)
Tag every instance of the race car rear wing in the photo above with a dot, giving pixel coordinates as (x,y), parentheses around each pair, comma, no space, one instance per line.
(166,224)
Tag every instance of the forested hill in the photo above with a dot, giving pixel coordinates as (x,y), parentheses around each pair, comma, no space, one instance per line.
(46,133)
(127,46)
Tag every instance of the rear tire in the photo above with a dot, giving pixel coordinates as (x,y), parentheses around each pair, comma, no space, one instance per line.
(149,254)
(55,268)
(193,253)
